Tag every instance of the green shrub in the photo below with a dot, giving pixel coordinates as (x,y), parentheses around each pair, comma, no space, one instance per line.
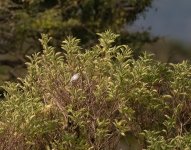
(87,99)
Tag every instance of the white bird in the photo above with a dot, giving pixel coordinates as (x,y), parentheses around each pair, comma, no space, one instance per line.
(75,77)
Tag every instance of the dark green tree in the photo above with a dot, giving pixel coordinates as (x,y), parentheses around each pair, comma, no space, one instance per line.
(22,21)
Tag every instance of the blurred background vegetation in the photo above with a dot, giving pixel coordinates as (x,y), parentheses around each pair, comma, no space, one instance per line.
(22,21)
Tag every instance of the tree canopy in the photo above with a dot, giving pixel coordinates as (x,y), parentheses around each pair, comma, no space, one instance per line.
(22,21)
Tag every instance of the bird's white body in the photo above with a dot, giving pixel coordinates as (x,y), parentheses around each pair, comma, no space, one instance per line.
(75,77)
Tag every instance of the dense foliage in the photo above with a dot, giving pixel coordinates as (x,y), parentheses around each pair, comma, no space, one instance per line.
(87,99)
